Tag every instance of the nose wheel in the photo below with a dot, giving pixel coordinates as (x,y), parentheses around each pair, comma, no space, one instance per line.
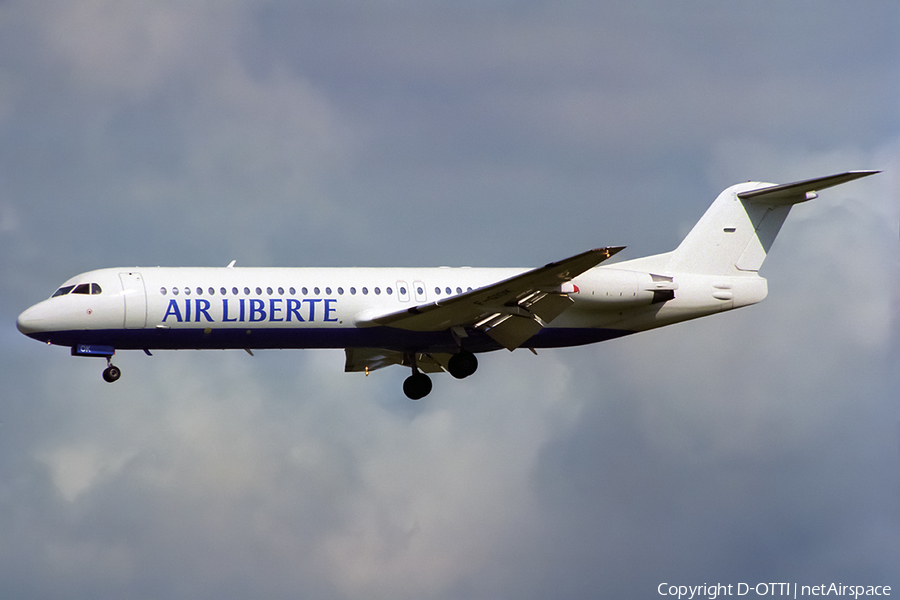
(111,373)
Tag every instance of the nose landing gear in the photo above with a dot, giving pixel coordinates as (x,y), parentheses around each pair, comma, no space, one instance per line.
(111,373)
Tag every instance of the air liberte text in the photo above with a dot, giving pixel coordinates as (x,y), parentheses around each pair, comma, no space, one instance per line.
(253,310)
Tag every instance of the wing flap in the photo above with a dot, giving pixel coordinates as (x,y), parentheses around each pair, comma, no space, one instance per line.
(370,359)
(547,306)
(359,360)
(510,331)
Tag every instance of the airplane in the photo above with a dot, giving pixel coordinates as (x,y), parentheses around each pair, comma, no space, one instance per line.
(427,319)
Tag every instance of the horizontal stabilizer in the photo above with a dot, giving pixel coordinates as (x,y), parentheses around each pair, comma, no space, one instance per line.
(799,191)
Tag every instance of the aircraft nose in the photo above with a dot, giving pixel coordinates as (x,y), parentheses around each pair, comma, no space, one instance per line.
(30,321)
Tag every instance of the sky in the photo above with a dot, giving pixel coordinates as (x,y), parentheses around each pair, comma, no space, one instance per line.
(761,445)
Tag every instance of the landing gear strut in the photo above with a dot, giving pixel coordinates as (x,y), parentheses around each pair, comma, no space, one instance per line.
(111,373)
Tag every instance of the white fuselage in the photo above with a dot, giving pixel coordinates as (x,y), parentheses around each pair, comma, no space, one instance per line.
(160,307)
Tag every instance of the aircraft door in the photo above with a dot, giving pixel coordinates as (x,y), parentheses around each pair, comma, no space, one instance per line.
(135,300)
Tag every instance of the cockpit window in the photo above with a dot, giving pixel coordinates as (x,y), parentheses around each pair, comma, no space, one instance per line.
(62,291)
(81,288)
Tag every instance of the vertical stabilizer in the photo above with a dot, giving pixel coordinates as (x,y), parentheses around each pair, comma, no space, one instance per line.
(736,232)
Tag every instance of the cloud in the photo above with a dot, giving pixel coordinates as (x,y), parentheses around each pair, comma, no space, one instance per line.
(141,136)
(382,498)
(133,49)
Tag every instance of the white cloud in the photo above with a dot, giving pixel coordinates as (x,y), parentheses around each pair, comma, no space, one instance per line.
(167,122)
(137,47)
(77,468)
(385,503)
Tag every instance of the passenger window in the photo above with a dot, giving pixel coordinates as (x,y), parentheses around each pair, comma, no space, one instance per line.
(82,288)
(281,291)
(174,291)
(365,290)
(353,291)
(459,290)
(305,291)
(328,291)
(223,291)
(187,291)
(246,291)
(377,291)
(212,291)
(316,291)
(199,291)
(62,291)
(292,291)
(269,291)
(389,291)
(340,291)
(437,290)
(162,291)
(234,291)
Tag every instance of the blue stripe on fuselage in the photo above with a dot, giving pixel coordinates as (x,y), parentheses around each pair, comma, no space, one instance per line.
(297,338)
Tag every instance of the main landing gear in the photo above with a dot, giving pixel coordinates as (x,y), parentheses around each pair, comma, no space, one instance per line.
(418,385)
(462,364)
(111,373)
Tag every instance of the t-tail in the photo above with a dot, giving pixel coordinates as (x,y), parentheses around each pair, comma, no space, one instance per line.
(735,234)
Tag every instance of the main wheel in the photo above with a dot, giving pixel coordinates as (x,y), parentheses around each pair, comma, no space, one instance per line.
(111,373)
(462,364)
(417,386)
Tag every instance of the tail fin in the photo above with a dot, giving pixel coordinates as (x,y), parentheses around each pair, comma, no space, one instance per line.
(736,232)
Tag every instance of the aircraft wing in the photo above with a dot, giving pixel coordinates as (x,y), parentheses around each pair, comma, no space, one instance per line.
(510,311)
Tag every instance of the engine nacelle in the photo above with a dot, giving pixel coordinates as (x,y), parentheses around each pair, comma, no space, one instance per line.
(618,287)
